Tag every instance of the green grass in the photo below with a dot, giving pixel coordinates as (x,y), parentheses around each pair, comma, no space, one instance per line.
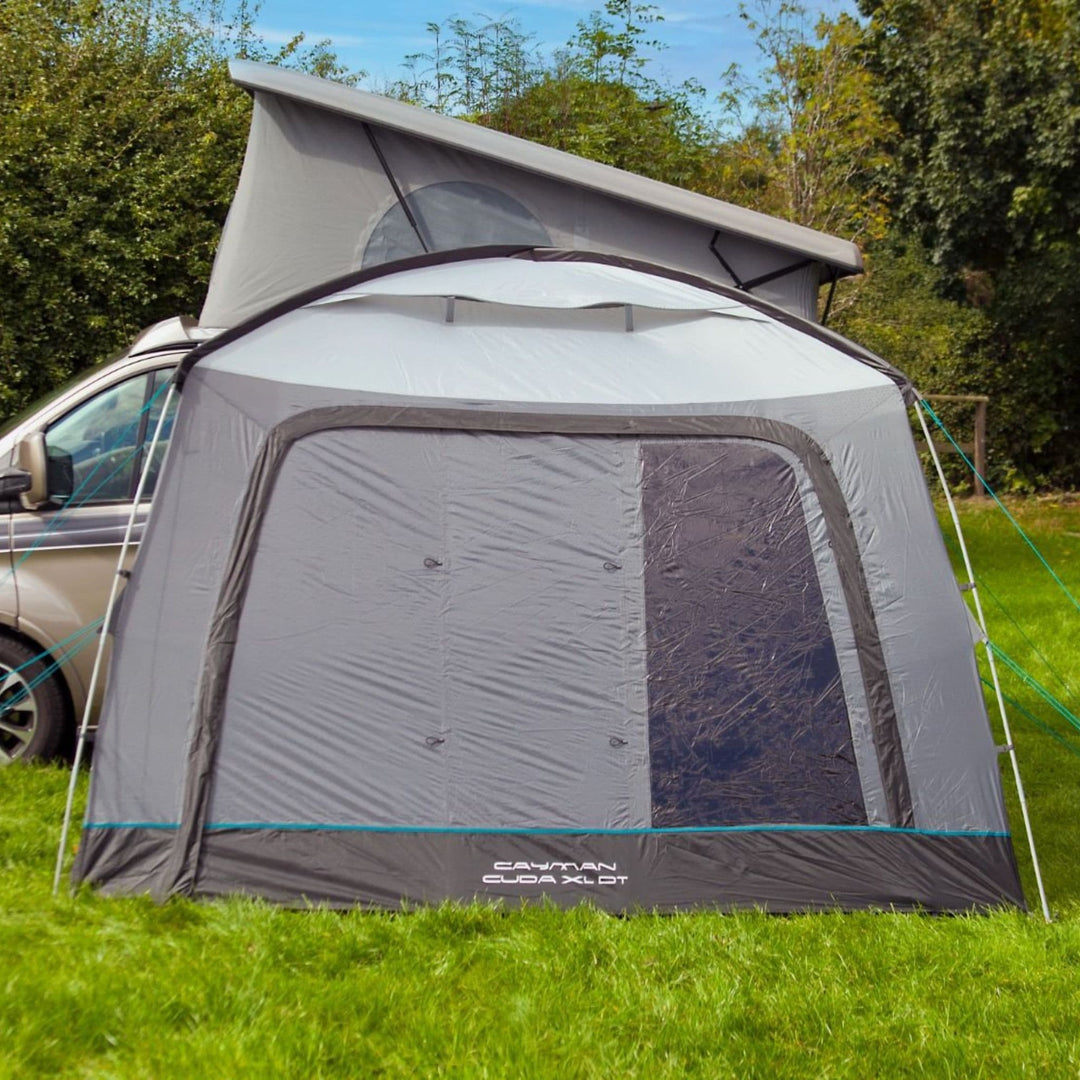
(91,987)
(1035,623)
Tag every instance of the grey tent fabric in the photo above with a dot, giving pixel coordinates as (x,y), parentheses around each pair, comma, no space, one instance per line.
(511,545)
(655,606)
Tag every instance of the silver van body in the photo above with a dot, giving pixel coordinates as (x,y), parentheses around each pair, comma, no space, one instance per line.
(61,536)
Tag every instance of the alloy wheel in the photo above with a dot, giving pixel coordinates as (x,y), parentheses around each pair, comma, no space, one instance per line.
(18,714)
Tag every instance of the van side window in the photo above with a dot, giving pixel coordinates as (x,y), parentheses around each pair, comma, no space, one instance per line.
(157,399)
(95,451)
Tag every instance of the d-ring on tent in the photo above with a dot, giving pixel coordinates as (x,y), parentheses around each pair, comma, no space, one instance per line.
(522,536)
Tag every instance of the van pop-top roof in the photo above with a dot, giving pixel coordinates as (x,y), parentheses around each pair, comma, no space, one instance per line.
(338,180)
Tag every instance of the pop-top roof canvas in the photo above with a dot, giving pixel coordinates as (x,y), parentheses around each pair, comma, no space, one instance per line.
(337,180)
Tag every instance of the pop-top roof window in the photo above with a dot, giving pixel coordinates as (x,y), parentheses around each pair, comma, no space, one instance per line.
(455,214)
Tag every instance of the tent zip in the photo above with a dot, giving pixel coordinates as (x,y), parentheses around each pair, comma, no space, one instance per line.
(114,592)
(989,658)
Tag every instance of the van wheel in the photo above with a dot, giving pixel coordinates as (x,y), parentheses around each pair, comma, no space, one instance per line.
(34,713)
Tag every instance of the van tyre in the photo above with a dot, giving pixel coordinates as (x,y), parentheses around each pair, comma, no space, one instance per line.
(35,718)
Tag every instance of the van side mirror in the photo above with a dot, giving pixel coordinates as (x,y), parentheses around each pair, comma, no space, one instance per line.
(33,462)
(13,482)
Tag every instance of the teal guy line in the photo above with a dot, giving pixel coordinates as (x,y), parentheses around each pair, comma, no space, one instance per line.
(57,656)
(1031,644)
(1034,684)
(985,588)
(83,631)
(1034,719)
(26,689)
(1016,525)
(293,826)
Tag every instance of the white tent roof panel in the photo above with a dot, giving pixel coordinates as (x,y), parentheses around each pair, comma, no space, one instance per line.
(547,285)
(401,342)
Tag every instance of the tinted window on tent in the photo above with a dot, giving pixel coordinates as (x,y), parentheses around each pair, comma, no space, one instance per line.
(747,718)
(451,215)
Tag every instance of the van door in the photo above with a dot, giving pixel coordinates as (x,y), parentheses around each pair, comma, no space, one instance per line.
(65,553)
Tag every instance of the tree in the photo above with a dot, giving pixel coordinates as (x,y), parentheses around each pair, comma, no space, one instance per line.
(471,69)
(810,137)
(986,102)
(121,139)
(659,137)
(985,97)
(595,98)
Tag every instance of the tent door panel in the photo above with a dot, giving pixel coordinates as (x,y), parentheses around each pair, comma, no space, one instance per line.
(544,631)
(442,629)
(332,714)
(747,717)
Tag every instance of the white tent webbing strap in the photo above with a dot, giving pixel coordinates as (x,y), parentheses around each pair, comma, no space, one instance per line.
(990,660)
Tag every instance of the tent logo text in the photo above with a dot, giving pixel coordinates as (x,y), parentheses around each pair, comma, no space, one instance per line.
(555,873)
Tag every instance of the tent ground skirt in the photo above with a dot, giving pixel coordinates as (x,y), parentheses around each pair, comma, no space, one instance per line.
(773,869)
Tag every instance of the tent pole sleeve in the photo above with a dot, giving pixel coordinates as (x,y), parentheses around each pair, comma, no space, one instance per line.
(106,625)
(990,660)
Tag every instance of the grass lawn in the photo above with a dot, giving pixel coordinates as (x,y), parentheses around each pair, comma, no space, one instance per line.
(124,988)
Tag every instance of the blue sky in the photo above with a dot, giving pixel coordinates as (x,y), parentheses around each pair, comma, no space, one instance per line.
(702,36)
